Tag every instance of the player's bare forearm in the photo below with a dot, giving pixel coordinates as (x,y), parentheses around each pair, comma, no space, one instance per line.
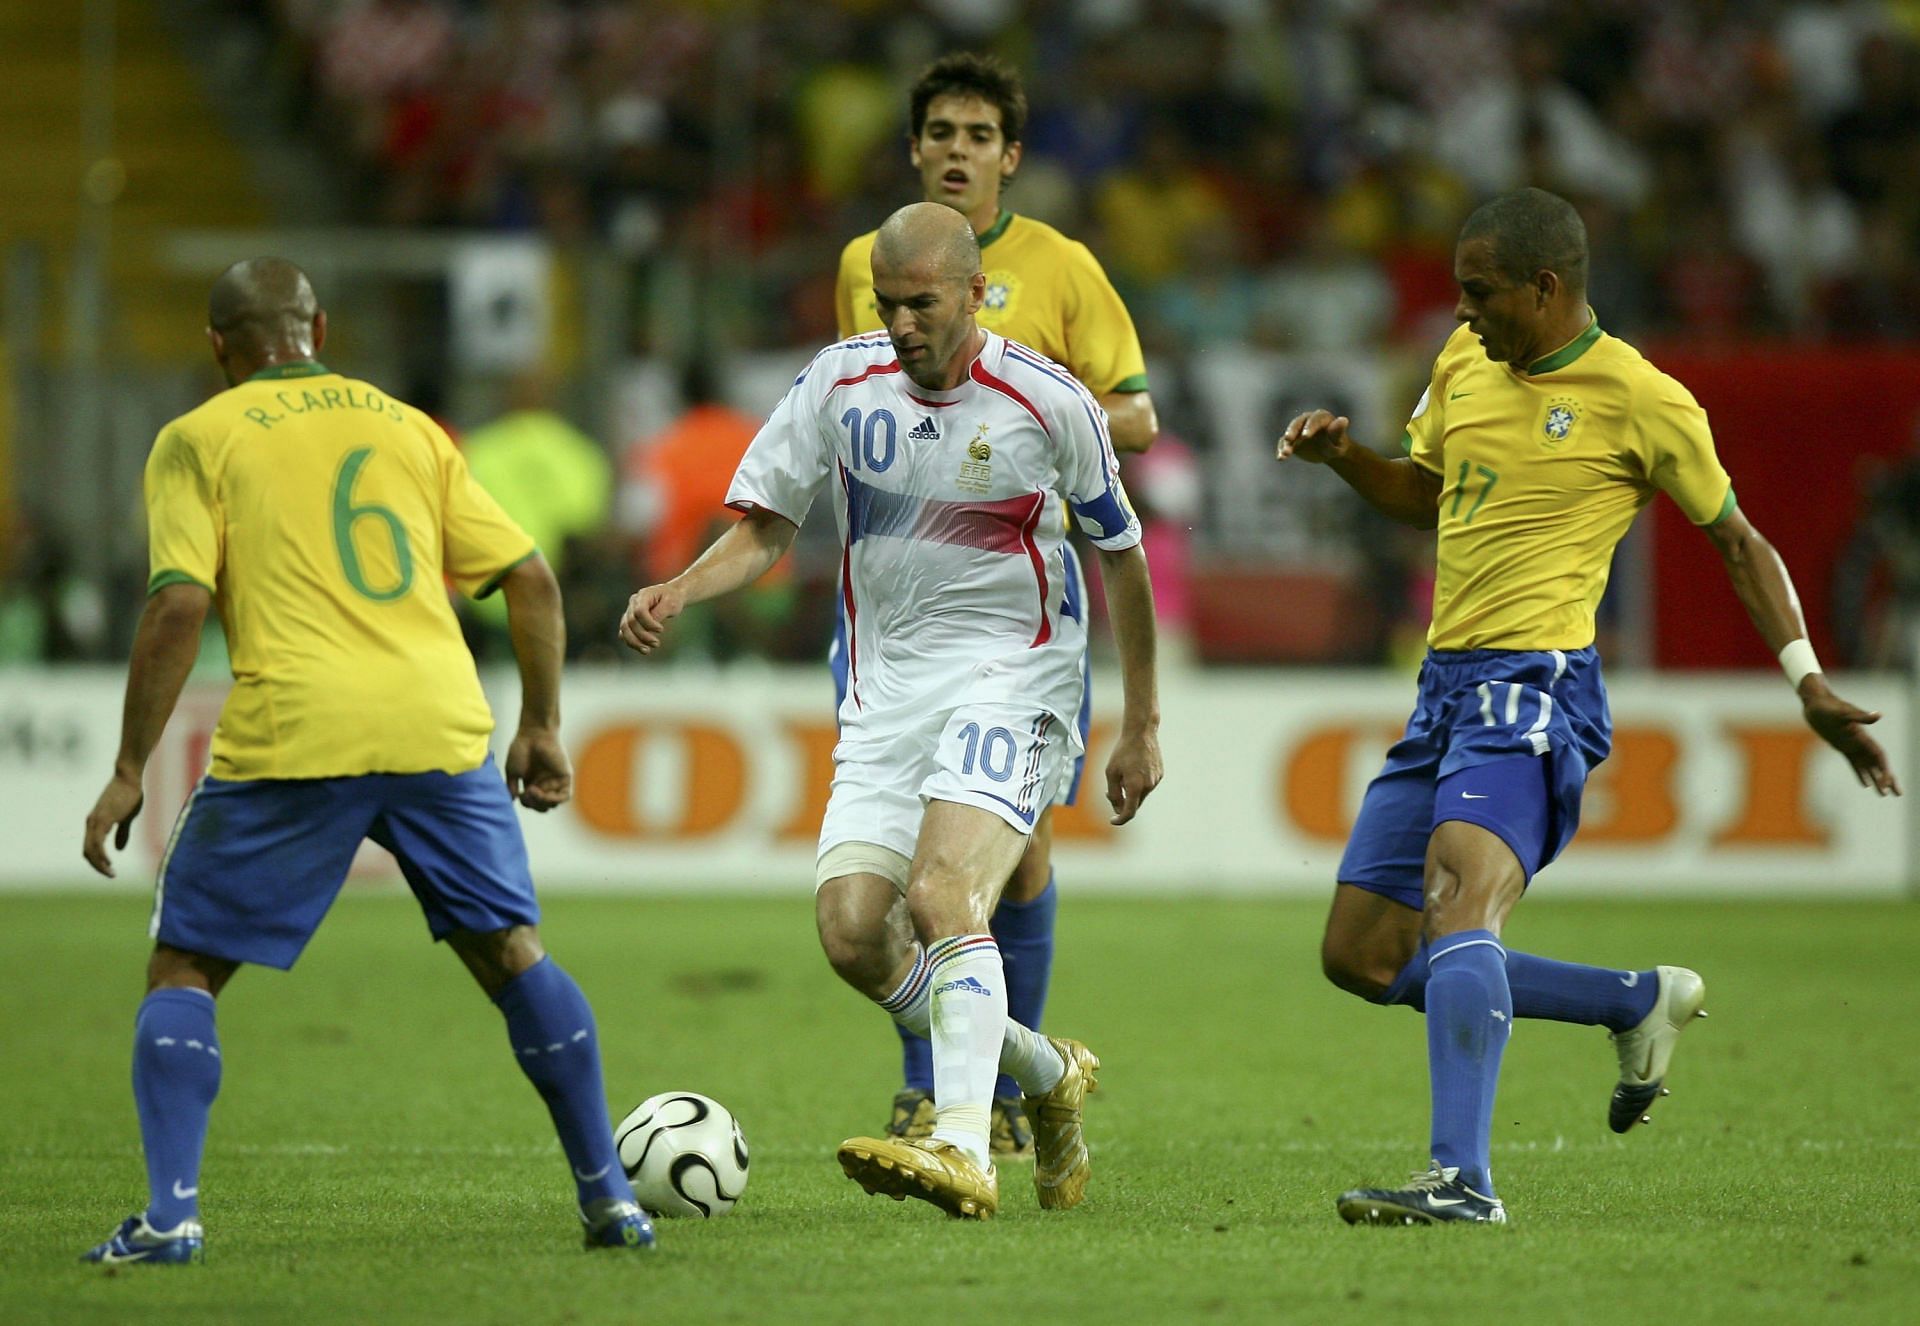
(164,648)
(1396,487)
(1135,768)
(737,558)
(1760,580)
(1132,422)
(1765,589)
(536,623)
(1130,608)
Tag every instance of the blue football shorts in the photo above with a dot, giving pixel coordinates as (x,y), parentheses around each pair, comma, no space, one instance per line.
(253,865)
(1499,738)
(1073,600)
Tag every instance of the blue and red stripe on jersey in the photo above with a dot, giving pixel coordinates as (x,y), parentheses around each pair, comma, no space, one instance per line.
(1007,525)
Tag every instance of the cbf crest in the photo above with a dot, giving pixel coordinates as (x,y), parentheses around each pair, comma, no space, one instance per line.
(1558,424)
(976,471)
(1003,294)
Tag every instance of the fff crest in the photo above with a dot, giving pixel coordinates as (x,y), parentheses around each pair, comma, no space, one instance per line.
(976,471)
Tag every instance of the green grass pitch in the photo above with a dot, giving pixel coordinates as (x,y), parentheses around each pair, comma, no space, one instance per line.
(376,1156)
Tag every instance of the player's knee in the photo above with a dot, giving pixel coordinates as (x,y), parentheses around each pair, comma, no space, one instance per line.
(862,958)
(495,957)
(176,969)
(946,902)
(1031,877)
(1362,974)
(1460,902)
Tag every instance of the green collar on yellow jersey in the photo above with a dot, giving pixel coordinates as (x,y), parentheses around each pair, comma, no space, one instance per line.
(997,229)
(1569,352)
(297,368)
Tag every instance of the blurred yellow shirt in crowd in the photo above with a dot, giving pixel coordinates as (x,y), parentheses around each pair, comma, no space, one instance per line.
(327,518)
(551,479)
(1543,472)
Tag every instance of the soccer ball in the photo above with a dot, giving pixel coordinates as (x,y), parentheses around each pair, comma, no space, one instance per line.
(684,1154)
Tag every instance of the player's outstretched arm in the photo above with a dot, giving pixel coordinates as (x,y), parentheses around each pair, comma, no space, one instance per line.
(1134,769)
(539,774)
(1766,591)
(739,557)
(1399,489)
(164,648)
(1132,422)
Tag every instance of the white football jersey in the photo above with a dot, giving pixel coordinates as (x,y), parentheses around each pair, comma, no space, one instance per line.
(951,516)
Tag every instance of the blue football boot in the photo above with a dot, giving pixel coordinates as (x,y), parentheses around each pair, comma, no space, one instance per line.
(612,1223)
(1433,1198)
(137,1241)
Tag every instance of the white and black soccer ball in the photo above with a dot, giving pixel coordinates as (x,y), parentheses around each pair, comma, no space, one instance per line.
(684,1154)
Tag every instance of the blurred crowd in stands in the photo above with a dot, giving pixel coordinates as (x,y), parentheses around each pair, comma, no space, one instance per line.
(1286,172)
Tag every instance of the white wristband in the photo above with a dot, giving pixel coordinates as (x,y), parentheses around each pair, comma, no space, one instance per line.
(1798,662)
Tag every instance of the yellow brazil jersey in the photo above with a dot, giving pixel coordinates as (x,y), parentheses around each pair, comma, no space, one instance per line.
(327,519)
(1542,473)
(1044,290)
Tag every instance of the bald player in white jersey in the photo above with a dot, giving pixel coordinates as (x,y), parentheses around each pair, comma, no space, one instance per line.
(951,454)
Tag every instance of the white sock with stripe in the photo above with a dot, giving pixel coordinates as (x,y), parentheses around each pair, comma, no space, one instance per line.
(907,1005)
(1025,1056)
(968,1000)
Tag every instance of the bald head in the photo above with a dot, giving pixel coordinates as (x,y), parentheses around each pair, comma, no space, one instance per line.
(929,239)
(263,305)
(926,288)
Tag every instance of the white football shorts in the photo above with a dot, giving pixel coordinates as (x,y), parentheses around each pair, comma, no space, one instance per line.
(1008,759)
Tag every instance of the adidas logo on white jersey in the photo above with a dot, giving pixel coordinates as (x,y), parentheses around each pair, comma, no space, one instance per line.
(924,431)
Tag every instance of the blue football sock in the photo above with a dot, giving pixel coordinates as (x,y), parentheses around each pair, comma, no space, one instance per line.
(1024,931)
(1569,992)
(1469,1014)
(176,1075)
(916,1060)
(1554,991)
(1410,986)
(552,1030)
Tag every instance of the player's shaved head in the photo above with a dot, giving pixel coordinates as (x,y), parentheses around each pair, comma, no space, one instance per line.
(263,303)
(927,287)
(1532,231)
(929,238)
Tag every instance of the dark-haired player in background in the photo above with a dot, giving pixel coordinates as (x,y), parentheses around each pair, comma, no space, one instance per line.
(967,115)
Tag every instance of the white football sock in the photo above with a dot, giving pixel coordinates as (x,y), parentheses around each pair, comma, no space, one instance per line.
(1025,1056)
(908,1002)
(1030,1059)
(969,1007)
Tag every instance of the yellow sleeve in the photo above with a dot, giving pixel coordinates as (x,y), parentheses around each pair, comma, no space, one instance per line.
(482,543)
(1103,350)
(853,290)
(183,520)
(1673,446)
(1426,430)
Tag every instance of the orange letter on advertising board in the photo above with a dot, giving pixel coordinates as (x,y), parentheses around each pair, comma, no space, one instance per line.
(1314,779)
(606,774)
(1629,799)
(813,745)
(1773,804)
(1085,821)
